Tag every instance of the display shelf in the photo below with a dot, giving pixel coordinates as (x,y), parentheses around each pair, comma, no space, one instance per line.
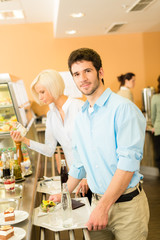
(6,106)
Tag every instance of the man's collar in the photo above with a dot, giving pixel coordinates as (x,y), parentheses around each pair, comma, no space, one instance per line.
(100,101)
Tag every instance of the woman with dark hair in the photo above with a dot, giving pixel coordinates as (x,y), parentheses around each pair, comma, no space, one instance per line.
(155,118)
(127,82)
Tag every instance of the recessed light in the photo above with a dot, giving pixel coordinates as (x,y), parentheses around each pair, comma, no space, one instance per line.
(11,14)
(77,15)
(70,32)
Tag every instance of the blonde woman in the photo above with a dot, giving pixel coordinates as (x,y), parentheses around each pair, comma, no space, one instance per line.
(48,88)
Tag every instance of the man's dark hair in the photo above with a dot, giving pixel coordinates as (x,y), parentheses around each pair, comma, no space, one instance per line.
(86,54)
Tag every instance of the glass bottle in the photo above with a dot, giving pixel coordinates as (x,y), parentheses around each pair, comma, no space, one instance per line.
(6,167)
(66,207)
(64,172)
(19,152)
(16,168)
(10,155)
(25,154)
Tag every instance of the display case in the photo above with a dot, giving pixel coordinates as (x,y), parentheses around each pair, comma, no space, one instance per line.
(14,104)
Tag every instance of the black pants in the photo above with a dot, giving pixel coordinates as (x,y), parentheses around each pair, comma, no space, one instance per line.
(156,141)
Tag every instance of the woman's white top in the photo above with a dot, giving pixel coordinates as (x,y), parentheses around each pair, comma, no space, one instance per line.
(125,92)
(59,131)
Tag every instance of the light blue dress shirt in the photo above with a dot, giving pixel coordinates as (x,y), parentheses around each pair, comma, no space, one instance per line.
(109,137)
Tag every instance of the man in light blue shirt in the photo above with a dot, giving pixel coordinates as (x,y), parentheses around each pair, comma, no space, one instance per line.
(108,136)
(108,147)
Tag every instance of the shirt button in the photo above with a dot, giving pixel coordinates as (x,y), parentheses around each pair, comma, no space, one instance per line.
(96,166)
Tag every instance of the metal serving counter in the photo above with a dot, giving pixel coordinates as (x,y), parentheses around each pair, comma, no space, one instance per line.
(29,200)
(22,199)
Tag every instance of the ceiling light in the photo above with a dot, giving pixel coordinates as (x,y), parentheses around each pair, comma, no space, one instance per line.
(124,6)
(77,15)
(11,14)
(70,32)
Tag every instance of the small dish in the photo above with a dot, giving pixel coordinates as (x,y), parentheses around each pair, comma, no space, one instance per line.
(47,206)
(9,183)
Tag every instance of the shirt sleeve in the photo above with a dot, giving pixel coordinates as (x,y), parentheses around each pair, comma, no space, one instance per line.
(77,169)
(130,135)
(47,148)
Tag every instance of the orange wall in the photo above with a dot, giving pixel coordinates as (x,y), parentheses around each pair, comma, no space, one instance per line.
(151,43)
(27,49)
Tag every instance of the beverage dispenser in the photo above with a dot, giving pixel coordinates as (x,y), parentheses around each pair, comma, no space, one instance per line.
(147,94)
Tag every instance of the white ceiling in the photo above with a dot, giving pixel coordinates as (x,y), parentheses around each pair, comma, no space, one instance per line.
(99,15)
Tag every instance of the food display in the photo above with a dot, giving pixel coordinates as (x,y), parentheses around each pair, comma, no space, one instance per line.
(5,101)
(15,115)
(47,205)
(7,110)
(6,232)
(7,124)
(9,215)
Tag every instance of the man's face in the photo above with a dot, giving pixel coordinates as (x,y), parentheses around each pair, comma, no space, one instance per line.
(85,77)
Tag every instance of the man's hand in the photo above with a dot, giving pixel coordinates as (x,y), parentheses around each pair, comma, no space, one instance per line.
(83,187)
(99,216)
(55,197)
(153,130)
(98,219)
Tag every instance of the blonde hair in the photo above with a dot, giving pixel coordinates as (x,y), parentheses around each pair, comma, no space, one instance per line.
(52,81)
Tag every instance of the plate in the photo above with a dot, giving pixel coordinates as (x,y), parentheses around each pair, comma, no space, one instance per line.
(20,180)
(28,174)
(19,217)
(4,204)
(19,233)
